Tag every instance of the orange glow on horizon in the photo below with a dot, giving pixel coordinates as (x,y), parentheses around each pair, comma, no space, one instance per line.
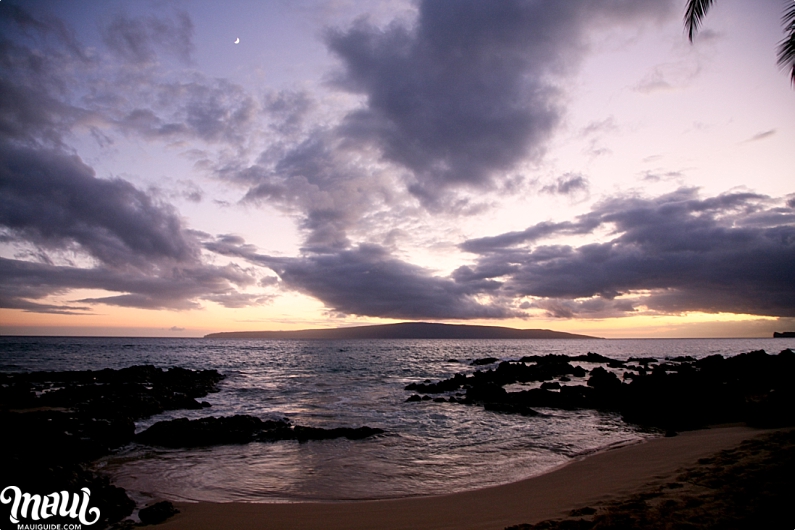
(117,321)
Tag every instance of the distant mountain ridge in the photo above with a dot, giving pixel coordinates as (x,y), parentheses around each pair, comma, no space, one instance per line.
(404,330)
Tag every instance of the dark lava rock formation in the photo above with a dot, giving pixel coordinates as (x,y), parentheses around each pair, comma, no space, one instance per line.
(676,394)
(135,392)
(57,423)
(240,429)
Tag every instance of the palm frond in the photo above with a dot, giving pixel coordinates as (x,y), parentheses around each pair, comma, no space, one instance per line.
(786,48)
(694,15)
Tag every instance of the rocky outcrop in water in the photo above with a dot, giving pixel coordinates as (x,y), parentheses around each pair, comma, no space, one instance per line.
(544,368)
(135,392)
(56,423)
(676,394)
(240,429)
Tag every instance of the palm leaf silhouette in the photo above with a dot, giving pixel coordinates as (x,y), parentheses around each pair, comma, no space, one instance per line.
(694,15)
(696,10)
(786,48)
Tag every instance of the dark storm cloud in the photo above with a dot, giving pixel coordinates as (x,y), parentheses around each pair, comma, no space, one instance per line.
(484,245)
(55,200)
(453,102)
(179,287)
(730,253)
(30,115)
(138,245)
(137,40)
(469,90)
(368,281)
(39,58)
(456,100)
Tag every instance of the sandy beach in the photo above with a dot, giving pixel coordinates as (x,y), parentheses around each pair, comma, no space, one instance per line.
(597,478)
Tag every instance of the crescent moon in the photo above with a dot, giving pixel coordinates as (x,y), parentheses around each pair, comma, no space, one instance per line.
(237,40)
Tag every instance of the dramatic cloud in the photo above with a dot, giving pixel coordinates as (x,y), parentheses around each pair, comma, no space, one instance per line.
(665,255)
(78,231)
(470,90)
(367,281)
(38,60)
(671,254)
(542,230)
(54,200)
(178,288)
(424,119)
(138,246)
(454,101)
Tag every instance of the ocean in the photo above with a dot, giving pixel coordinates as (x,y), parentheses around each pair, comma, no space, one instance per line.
(428,448)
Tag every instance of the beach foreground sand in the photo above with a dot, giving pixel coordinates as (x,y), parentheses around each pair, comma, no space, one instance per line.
(595,479)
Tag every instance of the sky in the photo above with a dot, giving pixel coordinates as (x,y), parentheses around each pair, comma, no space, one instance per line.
(176,168)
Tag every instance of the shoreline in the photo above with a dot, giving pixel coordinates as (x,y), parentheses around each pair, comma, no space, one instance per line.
(594,478)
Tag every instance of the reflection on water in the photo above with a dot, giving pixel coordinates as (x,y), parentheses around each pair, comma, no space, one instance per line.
(471,454)
(428,448)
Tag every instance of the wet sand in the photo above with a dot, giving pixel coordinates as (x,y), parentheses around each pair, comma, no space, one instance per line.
(594,479)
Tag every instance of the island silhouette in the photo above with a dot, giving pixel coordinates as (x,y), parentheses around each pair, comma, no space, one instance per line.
(404,330)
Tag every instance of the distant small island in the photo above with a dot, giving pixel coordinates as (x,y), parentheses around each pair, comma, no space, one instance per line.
(784,335)
(404,330)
